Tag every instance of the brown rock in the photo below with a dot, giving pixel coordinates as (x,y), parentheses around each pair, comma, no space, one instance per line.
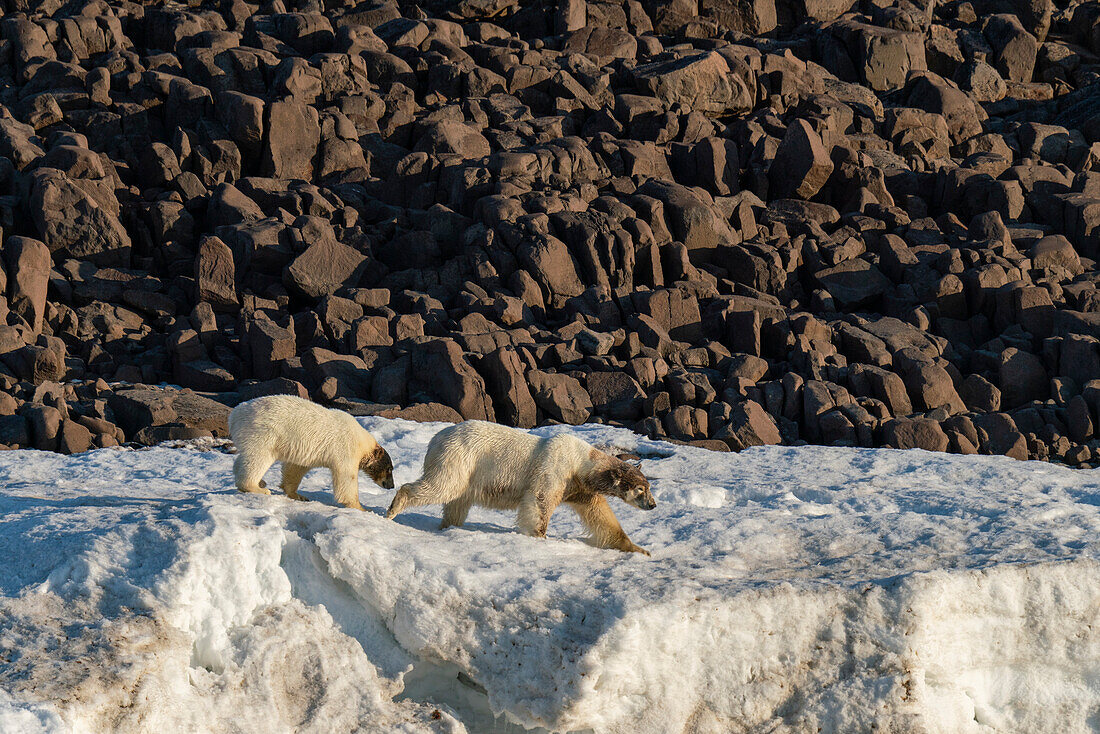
(561,396)
(28,267)
(74,438)
(449,137)
(45,424)
(615,393)
(439,369)
(802,164)
(875,382)
(1022,378)
(323,268)
(980,395)
(215,277)
(512,400)
(915,433)
(702,82)
(1014,48)
(75,223)
(293,132)
(854,283)
(1055,252)
(750,425)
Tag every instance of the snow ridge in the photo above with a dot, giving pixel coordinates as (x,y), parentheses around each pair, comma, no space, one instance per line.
(790,590)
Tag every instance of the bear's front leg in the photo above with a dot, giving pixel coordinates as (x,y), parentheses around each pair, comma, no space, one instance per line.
(345,484)
(597,516)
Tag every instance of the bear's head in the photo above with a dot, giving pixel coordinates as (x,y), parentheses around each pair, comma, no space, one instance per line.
(377,466)
(625,481)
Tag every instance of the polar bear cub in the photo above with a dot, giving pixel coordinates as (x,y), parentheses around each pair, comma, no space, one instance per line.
(479,463)
(304,435)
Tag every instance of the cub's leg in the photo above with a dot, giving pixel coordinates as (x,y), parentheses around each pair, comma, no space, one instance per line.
(454,513)
(601,521)
(248,470)
(345,484)
(292,477)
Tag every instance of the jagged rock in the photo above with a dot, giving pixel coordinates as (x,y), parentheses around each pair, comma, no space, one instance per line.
(28,266)
(75,223)
(702,82)
(440,369)
(854,283)
(504,376)
(802,164)
(914,433)
(749,425)
(323,268)
(215,277)
(560,396)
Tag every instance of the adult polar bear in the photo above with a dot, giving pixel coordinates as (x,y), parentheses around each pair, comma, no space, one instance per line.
(304,435)
(506,469)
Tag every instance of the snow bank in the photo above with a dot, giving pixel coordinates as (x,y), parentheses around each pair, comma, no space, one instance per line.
(790,590)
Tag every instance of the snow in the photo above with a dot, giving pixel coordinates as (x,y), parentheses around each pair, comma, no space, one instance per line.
(790,590)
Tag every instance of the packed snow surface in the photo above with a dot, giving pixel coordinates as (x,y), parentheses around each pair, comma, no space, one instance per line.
(790,590)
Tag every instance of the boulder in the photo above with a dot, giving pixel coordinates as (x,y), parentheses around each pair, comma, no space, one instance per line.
(980,395)
(28,268)
(802,164)
(749,425)
(440,369)
(914,433)
(702,82)
(75,223)
(1014,48)
(324,267)
(1022,378)
(562,397)
(513,403)
(450,137)
(215,275)
(854,283)
(292,134)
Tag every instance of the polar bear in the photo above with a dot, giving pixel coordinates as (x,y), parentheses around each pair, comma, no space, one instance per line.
(304,435)
(479,463)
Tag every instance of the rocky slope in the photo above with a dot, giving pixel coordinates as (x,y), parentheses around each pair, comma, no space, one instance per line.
(732,223)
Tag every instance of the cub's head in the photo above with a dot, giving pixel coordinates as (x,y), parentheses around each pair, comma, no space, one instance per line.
(626,482)
(377,466)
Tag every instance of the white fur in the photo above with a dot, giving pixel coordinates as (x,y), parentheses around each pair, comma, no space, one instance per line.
(479,463)
(302,435)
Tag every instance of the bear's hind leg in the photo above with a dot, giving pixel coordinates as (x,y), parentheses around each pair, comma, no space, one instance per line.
(534,516)
(249,469)
(454,513)
(292,477)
